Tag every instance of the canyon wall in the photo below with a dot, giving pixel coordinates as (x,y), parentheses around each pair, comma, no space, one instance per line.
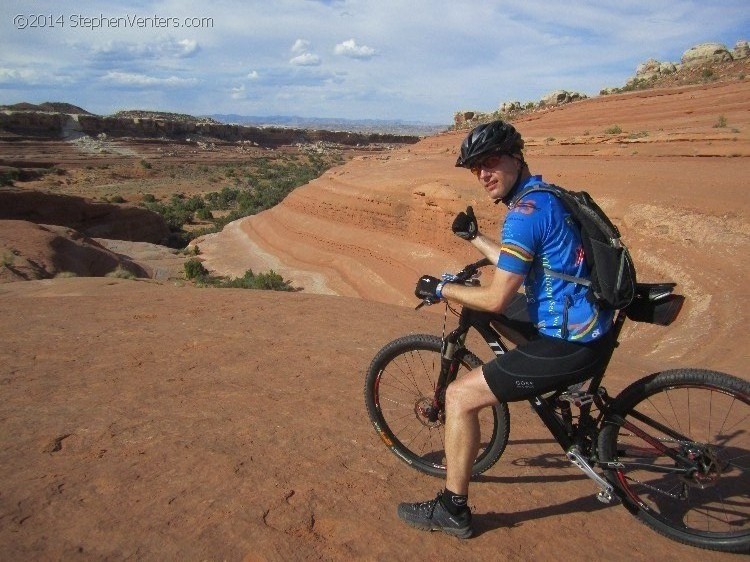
(63,125)
(668,179)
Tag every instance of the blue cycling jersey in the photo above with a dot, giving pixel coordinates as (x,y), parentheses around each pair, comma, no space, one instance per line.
(539,233)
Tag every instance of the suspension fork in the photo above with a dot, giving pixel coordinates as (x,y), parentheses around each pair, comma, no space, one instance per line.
(450,359)
(451,355)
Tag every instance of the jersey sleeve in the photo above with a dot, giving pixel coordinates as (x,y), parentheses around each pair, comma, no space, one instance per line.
(522,230)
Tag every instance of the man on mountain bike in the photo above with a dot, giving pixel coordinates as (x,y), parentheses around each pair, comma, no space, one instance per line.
(572,331)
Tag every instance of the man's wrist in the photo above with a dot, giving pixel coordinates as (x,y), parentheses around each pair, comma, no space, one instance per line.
(439,290)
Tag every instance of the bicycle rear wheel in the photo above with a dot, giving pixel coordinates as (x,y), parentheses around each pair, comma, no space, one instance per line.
(399,390)
(702,417)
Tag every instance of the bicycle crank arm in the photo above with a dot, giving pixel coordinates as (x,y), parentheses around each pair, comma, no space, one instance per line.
(606,489)
(614,465)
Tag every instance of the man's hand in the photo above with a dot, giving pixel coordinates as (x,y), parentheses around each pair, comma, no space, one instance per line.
(465,224)
(428,288)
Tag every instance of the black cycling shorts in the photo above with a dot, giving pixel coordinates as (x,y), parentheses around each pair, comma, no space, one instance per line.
(544,364)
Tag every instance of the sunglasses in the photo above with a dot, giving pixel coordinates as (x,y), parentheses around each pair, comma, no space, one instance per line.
(485,164)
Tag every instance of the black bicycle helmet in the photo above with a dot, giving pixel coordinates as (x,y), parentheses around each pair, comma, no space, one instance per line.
(496,137)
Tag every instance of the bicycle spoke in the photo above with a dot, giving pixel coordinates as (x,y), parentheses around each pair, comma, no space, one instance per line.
(711,496)
(410,421)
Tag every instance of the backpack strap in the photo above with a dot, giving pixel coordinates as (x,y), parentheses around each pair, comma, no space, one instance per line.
(557,191)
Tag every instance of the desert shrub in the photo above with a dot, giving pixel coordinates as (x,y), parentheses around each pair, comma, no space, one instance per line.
(721,122)
(204,214)
(149,198)
(194,269)
(117,199)
(120,273)
(8,176)
(270,281)
(222,200)
(176,217)
(613,130)
(260,185)
(145,165)
(194,203)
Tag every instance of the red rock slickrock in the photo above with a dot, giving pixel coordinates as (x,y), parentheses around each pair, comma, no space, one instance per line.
(671,180)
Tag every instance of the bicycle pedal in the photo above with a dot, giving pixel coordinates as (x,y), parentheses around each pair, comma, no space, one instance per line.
(604,497)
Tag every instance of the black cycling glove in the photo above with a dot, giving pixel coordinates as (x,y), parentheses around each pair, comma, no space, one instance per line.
(427,288)
(465,224)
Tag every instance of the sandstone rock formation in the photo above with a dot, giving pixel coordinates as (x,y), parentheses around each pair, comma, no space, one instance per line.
(560,97)
(370,228)
(35,251)
(91,218)
(460,118)
(510,106)
(653,67)
(702,63)
(57,125)
(706,52)
(741,50)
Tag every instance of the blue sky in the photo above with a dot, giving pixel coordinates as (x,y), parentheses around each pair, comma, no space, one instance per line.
(418,60)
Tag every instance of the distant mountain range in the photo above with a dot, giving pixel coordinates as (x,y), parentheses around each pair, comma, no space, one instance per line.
(395,127)
(362,126)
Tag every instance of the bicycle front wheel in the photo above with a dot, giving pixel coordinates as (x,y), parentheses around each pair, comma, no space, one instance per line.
(399,392)
(683,466)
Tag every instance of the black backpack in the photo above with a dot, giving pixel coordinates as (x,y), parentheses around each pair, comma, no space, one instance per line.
(612,273)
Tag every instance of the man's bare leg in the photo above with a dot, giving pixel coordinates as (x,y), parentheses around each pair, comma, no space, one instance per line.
(465,397)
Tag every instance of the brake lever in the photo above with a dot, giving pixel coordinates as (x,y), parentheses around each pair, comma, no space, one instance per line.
(427,302)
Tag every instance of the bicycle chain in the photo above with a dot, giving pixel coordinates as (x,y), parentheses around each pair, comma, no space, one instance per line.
(662,492)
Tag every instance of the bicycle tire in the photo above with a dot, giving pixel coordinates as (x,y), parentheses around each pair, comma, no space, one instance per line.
(401,378)
(711,411)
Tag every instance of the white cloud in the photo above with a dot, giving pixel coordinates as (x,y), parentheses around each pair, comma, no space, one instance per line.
(351,49)
(143,80)
(305,59)
(11,75)
(300,46)
(238,93)
(253,75)
(32,77)
(187,47)
(163,48)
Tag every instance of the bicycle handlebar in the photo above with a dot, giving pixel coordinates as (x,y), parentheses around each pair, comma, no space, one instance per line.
(469,271)
(465,276)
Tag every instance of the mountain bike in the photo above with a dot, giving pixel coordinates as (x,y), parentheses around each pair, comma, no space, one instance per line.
(673,447)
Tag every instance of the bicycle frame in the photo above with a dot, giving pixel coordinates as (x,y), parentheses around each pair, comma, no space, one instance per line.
(571,438)
(672,445)
(482,322)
